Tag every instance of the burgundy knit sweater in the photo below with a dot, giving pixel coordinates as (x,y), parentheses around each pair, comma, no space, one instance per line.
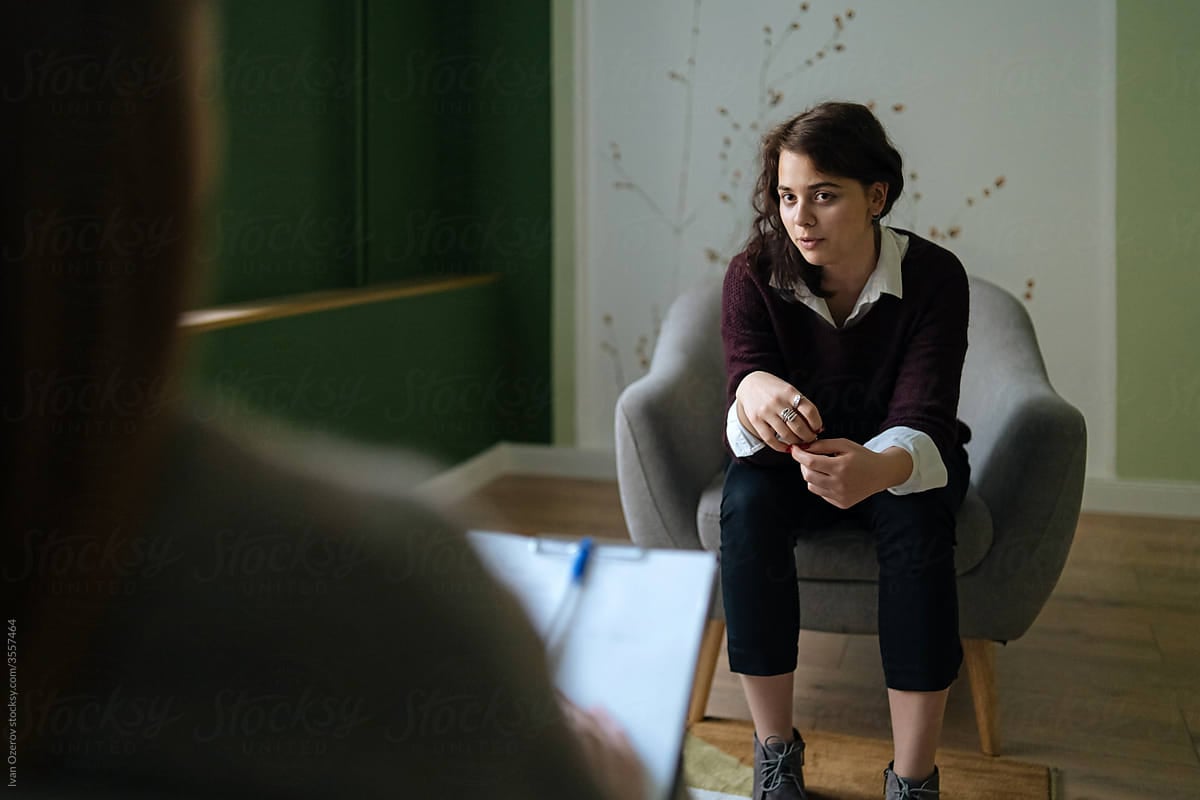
(901,364)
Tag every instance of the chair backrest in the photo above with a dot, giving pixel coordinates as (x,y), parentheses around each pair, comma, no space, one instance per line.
(1001,340)
(692,330)
(670,422)
(1002,356)
(1000,337)
(689,354)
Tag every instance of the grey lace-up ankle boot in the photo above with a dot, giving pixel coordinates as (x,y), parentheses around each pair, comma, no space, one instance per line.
(779,768)
(897,788)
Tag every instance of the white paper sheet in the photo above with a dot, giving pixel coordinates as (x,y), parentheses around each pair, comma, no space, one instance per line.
(635,631)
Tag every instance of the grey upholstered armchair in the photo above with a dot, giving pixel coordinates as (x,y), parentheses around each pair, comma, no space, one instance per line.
(1015,527)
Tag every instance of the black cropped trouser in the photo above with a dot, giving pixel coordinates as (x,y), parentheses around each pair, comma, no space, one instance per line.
(764,510)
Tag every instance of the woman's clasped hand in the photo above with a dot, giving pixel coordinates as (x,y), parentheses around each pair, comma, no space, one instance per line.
(763,406)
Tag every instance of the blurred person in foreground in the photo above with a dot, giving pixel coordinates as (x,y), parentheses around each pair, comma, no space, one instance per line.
(190,612)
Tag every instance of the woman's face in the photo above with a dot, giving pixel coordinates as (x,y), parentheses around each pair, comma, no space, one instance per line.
(828,217)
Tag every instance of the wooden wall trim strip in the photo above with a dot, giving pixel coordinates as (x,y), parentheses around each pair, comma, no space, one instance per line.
(201,320)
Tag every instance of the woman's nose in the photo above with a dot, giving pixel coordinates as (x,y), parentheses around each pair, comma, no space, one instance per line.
(800,214)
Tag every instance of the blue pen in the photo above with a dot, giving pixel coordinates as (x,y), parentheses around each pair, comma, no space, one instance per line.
(556,638)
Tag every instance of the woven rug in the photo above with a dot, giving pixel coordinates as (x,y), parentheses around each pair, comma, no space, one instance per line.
(718,756)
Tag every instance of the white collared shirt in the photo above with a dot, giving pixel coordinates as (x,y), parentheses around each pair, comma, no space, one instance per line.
(929,472)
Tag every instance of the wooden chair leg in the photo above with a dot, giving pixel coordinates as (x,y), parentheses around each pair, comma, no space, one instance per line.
(710,648)
(980,658)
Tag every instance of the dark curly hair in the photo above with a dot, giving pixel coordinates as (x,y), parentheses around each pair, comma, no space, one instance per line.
(843,139)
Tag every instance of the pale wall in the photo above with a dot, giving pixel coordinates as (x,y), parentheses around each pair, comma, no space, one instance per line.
(1022,90)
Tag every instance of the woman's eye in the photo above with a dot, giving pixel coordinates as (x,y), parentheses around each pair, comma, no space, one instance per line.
(788,198)
(824,197)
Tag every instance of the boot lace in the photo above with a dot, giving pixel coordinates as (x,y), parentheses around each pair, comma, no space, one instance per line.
(910,792)
(777,766)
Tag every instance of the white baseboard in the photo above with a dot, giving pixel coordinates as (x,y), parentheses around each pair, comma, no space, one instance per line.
(1142,498)
(562,462)
(462,479)
(509,458)
(1100,495)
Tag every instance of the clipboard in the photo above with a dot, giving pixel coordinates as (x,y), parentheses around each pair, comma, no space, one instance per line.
(635,632)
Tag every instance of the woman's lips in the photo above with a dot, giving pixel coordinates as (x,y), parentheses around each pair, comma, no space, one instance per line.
(809,244)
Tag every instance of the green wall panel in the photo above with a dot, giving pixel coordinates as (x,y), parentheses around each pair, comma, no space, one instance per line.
(424,373)
(458,139)
(418,203)
(285,220)
(459,164)
(1158,239)
(512,165)
(368,142)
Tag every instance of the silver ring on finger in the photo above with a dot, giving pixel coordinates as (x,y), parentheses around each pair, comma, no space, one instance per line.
(797,399)
(788,414)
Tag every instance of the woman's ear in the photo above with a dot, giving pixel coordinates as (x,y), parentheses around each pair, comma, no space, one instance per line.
(877,197)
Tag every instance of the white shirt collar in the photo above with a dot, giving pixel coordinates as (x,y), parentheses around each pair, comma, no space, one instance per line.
(886,278)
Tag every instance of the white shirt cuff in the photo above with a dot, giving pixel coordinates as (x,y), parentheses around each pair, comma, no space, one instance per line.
(741,441)
(929,472)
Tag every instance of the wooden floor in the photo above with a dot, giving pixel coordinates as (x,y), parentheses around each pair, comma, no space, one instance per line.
(1105,686)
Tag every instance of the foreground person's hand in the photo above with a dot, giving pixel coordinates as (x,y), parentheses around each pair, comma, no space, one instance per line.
(610,756)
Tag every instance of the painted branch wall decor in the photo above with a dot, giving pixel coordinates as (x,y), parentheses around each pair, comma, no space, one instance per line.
(998,112)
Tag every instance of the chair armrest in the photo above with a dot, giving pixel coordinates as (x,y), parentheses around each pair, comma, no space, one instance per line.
(669,425)
(1028,456)
(1030,473)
